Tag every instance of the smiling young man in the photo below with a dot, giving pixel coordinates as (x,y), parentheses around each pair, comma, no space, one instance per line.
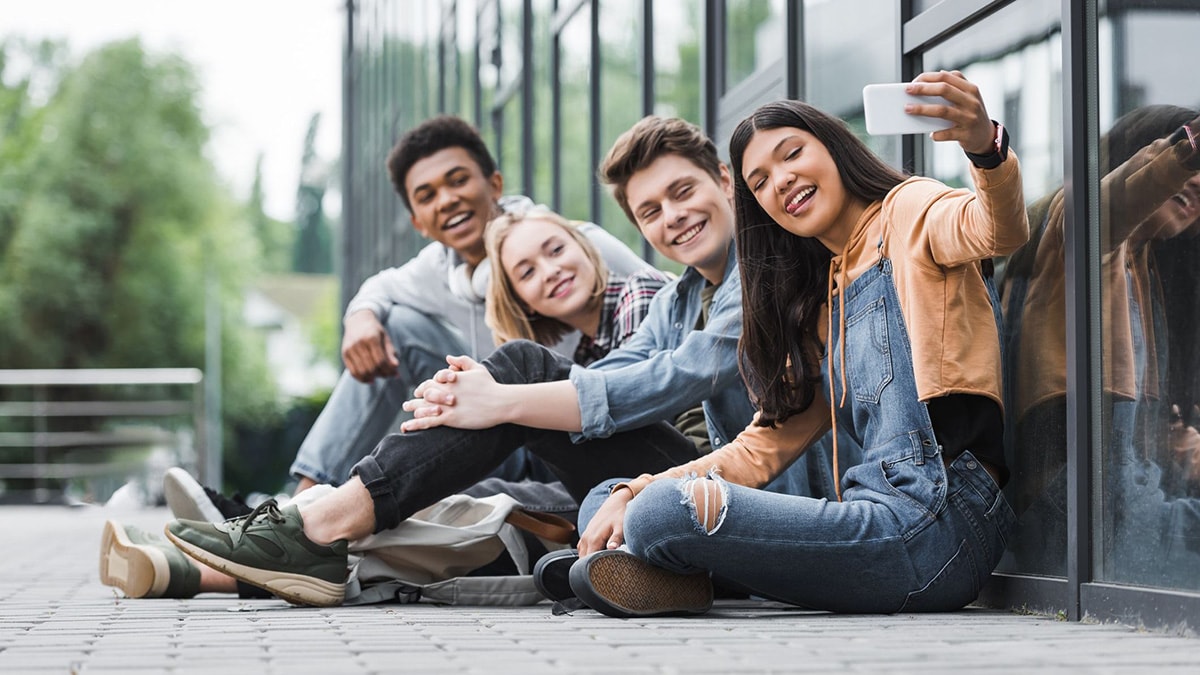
(668,394)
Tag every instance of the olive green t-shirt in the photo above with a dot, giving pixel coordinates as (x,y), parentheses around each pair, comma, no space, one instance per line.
(691,422)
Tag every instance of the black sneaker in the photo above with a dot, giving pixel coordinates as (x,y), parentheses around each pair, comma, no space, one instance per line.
(189,500)
(552,574)
(620,584)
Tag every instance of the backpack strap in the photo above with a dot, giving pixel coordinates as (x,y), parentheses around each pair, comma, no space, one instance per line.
(546,526)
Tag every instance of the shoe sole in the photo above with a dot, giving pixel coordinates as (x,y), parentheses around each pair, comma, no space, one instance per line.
(621,585)
(298,589)
(186,499)
(139,571)
(553,586)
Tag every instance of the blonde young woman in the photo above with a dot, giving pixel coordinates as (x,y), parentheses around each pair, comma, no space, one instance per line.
(552,280)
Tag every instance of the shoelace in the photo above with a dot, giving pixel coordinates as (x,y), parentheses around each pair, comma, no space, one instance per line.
(268,509)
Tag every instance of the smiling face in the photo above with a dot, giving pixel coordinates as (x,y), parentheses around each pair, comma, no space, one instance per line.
(1176,215)
(796,181)
(549,271)
(684,213)
(452,200)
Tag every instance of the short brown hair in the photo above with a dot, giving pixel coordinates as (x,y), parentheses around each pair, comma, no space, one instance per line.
(504,311)
(651,138)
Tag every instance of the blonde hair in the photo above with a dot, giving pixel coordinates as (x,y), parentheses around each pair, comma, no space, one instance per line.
(507,315)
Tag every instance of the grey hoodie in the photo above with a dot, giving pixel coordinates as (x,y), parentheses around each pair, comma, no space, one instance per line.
(428,283)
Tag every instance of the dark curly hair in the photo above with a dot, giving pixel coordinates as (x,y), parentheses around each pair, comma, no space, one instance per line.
(432,136)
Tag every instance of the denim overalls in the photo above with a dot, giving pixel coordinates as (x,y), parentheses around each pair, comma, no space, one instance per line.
(911,533)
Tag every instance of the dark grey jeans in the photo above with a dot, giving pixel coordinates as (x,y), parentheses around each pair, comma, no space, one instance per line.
(407,472)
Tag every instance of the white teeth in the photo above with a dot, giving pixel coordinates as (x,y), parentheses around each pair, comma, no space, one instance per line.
(689,234)
(801,196)
(456,220)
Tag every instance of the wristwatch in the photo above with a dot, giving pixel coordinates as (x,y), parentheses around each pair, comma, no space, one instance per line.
(995,158)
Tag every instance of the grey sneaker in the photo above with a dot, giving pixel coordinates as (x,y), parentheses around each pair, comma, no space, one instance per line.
(620,584)
(144,565)
(189,500)
(268,549)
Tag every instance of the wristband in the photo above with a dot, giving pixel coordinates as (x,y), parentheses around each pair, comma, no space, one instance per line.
(1185,133)
(995,158)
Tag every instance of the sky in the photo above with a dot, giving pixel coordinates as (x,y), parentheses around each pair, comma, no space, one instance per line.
(265,67)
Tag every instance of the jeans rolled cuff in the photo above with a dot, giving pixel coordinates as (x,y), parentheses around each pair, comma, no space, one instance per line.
(387,509)
(302,470)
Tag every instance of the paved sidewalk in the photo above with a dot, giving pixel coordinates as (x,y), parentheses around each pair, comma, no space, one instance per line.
(56,617)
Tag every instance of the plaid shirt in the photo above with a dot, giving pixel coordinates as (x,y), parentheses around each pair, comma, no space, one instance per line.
(626,301)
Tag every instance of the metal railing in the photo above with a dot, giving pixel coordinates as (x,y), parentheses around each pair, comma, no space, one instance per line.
(62,425)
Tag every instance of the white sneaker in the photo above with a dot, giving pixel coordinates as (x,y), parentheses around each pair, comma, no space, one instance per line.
(188,499)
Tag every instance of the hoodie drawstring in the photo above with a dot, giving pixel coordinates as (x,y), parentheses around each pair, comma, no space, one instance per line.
(834,264)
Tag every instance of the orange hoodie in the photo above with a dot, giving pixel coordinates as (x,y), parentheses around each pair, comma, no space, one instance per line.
(936,237)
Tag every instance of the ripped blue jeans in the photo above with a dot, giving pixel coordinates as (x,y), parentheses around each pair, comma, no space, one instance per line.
(914,532)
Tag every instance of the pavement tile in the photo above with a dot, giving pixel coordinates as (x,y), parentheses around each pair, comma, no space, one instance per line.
(61,618)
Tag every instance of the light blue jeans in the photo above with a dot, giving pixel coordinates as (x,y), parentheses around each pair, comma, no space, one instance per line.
(358,415)
(913,533)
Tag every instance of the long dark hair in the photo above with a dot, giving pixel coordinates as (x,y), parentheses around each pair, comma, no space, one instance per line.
(783,275)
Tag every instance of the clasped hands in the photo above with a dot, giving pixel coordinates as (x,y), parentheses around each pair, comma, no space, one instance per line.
(463,395)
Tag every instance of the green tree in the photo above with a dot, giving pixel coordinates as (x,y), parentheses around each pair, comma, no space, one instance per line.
(275,237)
(116,216)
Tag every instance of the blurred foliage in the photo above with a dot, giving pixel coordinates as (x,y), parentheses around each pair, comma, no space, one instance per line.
(275,237)
(112,218)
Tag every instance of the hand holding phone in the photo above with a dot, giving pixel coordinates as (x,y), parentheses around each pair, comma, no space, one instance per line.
(884,104)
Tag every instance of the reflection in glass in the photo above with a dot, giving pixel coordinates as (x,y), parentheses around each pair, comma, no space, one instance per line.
(464,29)
(849,44)
(620,100)
(543,11)
(575,43)
(507,121)
(1015,59)
(755,37)
(677,62)
(1150,208)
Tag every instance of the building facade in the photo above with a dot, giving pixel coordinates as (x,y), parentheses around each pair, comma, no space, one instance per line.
(1102,363)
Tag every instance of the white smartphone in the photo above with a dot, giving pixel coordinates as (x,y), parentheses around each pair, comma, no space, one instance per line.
(883,105)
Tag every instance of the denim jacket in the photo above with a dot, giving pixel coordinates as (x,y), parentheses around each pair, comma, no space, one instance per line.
(668,367)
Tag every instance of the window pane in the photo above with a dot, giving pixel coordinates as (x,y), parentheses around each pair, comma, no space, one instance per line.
(507,121)
(466,66)
(755,37)
(849,44)
(574,84)
(1014,57)
(677,61)
(1150,462)
(620,100)
(489,70)
(543,12)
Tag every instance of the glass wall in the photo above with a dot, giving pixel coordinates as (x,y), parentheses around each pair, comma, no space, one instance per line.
(849,44)
(1149,493)
(755,37)
(575,82)
(620,106)
(1015,58)
(1099,306)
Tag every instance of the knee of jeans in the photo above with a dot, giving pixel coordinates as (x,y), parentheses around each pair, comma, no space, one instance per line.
(708,498)
(409,327)
(594,500)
